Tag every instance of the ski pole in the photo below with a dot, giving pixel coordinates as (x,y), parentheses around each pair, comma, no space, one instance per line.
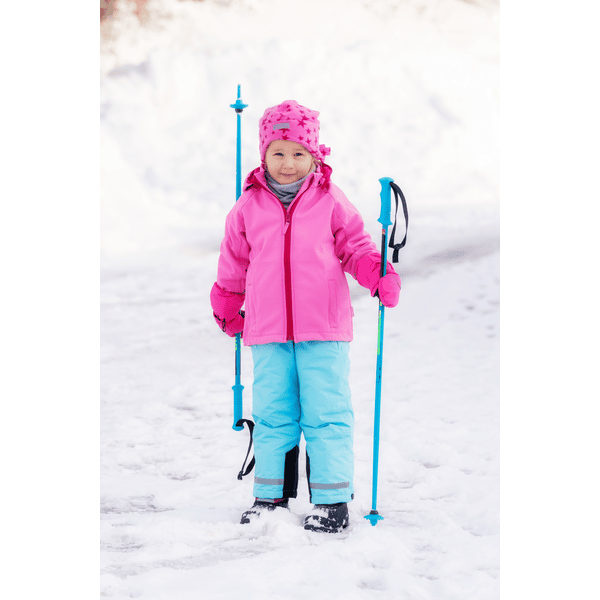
(384,219)
(238,402)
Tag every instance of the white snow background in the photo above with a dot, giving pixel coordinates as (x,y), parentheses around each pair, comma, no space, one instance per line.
(406,89)
(410,96)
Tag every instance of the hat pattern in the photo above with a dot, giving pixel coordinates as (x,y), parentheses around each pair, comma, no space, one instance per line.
(291,121)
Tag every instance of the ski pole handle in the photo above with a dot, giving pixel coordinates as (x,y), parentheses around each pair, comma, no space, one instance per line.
(386,201)
(385,218)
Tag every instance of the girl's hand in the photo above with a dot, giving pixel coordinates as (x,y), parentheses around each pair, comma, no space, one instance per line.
(232,327)
(388,290)
(226,310)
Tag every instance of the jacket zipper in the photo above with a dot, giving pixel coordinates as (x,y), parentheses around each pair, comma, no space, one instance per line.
(287,263)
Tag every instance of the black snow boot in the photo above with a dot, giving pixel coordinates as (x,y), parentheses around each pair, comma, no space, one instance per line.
(327,518)
(261,504)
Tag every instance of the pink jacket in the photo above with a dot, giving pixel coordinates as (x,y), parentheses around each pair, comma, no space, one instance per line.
(290,263)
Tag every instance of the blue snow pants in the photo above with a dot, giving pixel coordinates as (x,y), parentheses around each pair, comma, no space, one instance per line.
(302,388)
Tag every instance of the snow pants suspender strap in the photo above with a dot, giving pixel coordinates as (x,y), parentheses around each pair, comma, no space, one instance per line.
(396,247)
(250,424)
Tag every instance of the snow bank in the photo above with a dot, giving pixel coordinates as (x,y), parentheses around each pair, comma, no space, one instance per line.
(411,98)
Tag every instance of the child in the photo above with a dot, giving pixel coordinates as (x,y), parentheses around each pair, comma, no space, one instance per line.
(288,241)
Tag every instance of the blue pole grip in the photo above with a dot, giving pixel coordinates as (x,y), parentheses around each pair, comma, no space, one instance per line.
(386,202)
(385,219)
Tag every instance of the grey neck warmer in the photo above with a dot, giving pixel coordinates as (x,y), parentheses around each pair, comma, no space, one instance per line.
(286,192)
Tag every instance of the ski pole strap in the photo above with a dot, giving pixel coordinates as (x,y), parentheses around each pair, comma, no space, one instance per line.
(396,247)
(250,424)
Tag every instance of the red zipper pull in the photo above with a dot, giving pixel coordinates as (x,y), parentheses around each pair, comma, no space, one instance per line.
(287,222)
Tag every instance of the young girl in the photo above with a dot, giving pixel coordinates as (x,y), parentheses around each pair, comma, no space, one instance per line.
(288,242)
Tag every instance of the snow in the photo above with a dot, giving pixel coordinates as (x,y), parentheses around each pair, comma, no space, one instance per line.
(170,498)
(407,90)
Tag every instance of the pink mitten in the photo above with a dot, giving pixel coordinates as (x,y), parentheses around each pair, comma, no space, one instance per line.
(387,288)
(226,307)
(232,327)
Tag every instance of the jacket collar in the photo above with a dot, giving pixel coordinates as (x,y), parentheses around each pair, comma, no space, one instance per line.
(319,178)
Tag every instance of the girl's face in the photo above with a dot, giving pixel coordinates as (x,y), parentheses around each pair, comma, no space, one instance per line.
(288,161)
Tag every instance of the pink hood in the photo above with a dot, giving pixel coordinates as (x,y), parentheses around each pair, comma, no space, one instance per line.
(290,263)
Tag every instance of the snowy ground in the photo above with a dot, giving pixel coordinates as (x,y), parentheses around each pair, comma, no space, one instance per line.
(170,498)
(401,95)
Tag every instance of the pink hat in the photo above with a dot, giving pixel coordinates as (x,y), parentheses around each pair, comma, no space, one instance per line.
(291,121)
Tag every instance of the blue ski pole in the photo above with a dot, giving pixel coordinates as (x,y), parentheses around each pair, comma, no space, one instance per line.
(238,402)
(385,220)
